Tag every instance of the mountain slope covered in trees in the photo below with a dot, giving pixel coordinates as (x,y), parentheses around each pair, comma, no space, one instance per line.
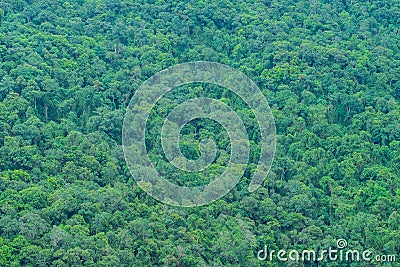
(330,71)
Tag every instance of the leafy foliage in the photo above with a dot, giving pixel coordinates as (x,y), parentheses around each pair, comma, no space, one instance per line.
(329,69)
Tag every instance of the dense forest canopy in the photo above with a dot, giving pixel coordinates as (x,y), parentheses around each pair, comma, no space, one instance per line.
(330,71)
